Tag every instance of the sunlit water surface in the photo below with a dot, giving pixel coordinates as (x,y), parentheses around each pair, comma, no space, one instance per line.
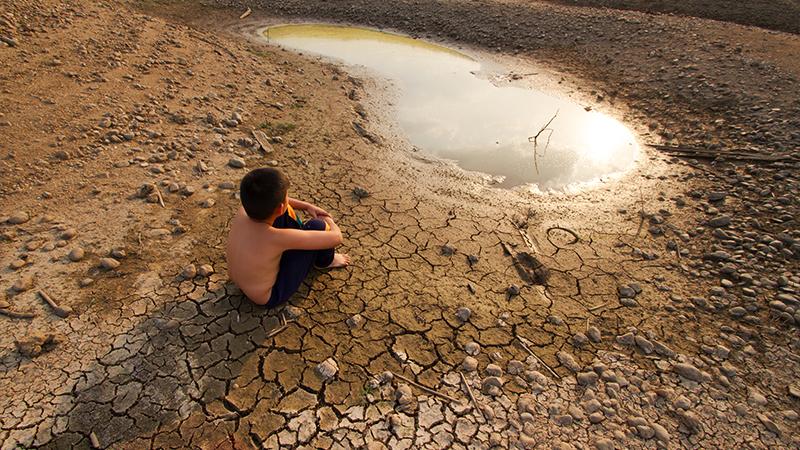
(446,110)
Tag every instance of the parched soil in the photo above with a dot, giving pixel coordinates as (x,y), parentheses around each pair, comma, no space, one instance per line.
(659,310)
(780,15)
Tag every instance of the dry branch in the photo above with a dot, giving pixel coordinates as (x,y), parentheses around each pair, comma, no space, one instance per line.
(425,388)
(535,140)
(17,314)
(541,361)
(472,397)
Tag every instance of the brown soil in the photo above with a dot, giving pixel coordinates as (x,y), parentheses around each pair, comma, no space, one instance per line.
(98,100)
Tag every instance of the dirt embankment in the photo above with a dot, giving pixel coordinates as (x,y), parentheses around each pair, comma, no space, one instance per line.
(779,15)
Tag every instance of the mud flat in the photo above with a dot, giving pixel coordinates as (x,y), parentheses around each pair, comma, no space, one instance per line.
(659,310)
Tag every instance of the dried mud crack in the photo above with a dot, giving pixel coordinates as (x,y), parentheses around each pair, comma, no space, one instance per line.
(666,317)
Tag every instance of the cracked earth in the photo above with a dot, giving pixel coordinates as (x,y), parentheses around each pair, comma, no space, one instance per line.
(656,311)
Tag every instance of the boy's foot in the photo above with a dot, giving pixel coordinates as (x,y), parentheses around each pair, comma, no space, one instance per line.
(339,260)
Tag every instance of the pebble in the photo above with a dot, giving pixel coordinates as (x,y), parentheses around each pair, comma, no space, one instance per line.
(208,203)
(587,378)
(18,218)
(189,272)
(85,282)
(205,270)
(568,361)
(470,364)
(689,371)
(327,369)
(22,284)
(76,254)
(513,290)
(626,292)
(472,348)
(493,370)
(719,221)
(69,233)
(237,162)
(109,263)
(463,313)
(594,334)
(356,321)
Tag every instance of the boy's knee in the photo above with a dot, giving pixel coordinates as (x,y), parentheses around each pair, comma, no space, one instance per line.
(316,225)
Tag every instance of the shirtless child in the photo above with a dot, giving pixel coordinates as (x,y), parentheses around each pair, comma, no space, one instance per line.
(270,250)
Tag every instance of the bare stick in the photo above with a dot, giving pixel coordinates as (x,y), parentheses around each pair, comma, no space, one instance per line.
(246,13)
(426,389)
(595,308)
(535,141)
(550,369)
(275,332)
(160,198)
(60,311)
(16,314)
(472,397)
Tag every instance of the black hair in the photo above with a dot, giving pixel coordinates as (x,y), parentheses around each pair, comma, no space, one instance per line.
(262,191)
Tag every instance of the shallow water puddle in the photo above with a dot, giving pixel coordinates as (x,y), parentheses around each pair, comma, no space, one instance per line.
(448,111)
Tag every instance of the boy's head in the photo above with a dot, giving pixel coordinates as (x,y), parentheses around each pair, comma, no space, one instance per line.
(262,192)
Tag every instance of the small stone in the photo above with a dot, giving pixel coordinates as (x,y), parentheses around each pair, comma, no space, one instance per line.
(189,272)
(515,367)
(109,263)
(660,432)
(36,344)
(205,270)
(23,284)
(596,417)
(626,292)
(587,378)
(463,313)
(594,334)
(472,348)
(237,162)
(513,290)
(69,233)
(327,369)
(85,282)
(208,203)
(568,361)
(719,221)
(579,339)
(470,364)
(689,371)
(356,321)
(494,370)
(76,254)
(18,218)
(118,253)
(645,345)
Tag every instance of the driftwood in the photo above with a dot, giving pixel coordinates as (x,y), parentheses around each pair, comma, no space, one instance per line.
(60,311)
(705,153)
(17,314)
(426,388)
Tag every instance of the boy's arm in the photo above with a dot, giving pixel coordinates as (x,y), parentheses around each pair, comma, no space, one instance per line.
(312,210)
(309,239)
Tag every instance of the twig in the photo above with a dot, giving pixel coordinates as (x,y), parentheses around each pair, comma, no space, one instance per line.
(595,308)
(60,311)
(275,332)
(472,397)
(426,389)
(17,314)
(536,142)
(246,13)
(550,369)
(160,198)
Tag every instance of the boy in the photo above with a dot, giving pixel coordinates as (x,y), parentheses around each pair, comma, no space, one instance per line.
(270,250)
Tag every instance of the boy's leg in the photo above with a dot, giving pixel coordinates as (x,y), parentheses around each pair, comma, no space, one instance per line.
(295,265)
